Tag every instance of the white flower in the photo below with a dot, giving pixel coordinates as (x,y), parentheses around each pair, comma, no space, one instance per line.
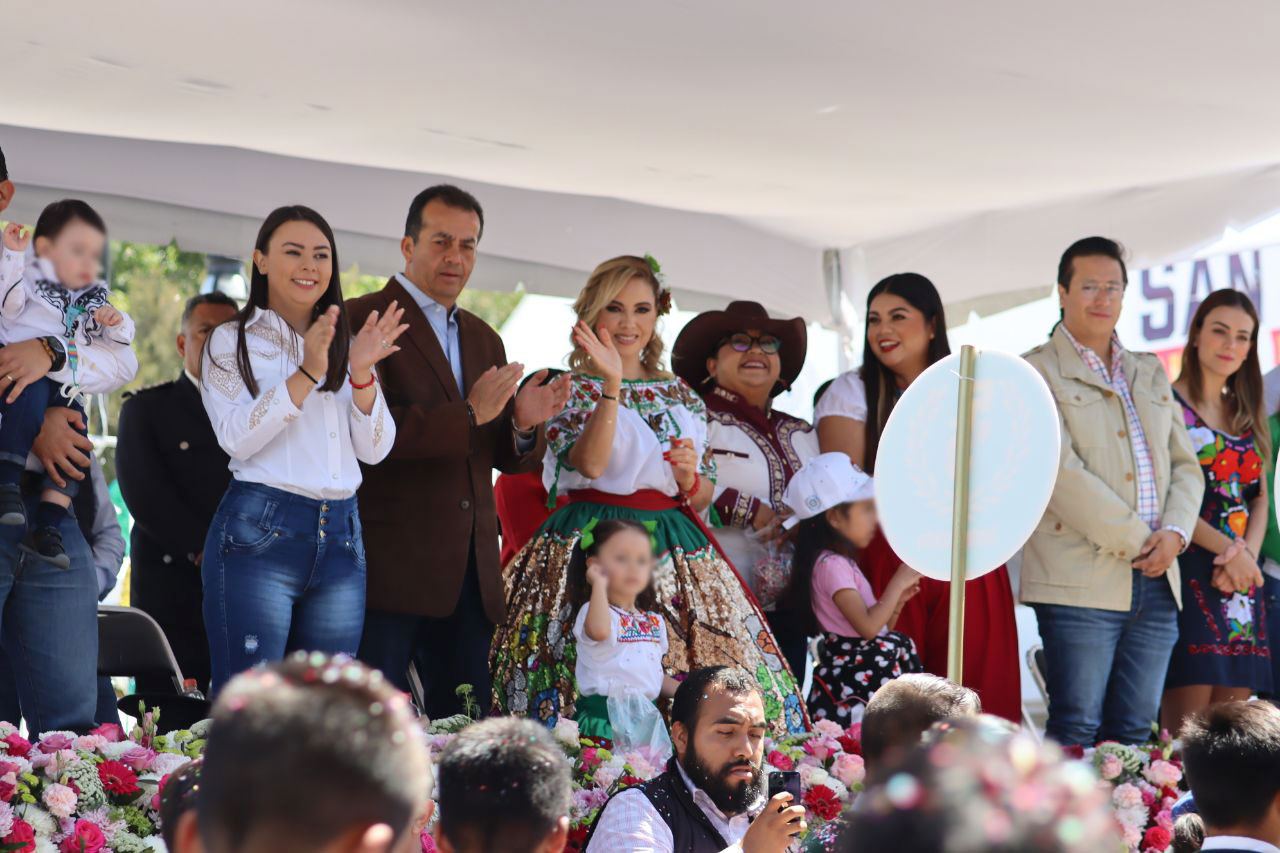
(1127,796)
(1200,436)
(841,792)
(167,762)
(115,750)
(811,776)
(566,731)
(71,736)
(44,845)
(41,821)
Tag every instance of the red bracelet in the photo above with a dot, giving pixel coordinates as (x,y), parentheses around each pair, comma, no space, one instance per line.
(373,377)
(693,490)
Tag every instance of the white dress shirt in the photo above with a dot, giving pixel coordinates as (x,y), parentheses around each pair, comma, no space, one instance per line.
(630,823)
(312,451)
(1238,842)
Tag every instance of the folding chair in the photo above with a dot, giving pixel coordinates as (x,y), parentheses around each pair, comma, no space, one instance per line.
(131,644)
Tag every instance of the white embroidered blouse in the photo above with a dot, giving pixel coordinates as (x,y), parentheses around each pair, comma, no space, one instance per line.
(650,414)
(313,451)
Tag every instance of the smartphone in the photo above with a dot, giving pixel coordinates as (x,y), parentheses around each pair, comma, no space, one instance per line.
(785,781)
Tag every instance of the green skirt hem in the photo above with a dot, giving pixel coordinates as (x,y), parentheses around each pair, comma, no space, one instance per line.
(592,716)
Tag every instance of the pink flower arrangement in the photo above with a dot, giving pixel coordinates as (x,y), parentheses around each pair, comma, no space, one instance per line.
(1147,782)
(87,793)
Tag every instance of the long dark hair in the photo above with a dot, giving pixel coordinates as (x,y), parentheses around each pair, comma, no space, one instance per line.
(1244,390)
(577,589)
(812,537)
(258,299)
(882,388)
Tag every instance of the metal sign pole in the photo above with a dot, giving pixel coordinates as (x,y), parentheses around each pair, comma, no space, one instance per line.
(960,513)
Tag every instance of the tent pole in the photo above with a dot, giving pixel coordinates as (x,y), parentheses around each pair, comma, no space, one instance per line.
(960,514)
(833,284)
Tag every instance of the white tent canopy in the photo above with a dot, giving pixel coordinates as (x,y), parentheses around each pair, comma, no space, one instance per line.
(734,140)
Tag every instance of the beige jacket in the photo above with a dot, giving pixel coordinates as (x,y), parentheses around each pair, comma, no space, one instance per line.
(1081,553)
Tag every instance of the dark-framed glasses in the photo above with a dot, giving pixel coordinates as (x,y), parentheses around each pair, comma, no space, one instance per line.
(742,342)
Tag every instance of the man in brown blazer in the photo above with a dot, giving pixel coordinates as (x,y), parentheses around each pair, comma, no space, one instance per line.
(430,525)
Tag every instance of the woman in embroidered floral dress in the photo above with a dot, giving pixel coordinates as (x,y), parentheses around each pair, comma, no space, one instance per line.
(631,443)
(1223,651)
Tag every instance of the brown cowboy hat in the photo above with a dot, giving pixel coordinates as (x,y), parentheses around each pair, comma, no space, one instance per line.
(701,338)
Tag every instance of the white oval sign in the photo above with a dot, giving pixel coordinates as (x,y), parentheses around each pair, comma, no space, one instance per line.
(1012,470)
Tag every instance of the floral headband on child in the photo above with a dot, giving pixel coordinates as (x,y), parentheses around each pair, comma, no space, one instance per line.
(664,292)
(588,537)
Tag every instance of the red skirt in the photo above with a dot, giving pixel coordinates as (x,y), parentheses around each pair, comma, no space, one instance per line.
(990,630)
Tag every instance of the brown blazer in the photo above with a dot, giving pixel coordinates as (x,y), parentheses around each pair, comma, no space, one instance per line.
(425,504)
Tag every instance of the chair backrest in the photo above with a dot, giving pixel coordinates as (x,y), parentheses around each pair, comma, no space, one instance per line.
(132,644)
(1036,664)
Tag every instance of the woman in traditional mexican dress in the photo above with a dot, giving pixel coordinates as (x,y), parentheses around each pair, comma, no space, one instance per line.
(1223,652)
(631,443)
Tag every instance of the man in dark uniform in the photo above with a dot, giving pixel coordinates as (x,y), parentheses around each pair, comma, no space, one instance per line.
(173,474)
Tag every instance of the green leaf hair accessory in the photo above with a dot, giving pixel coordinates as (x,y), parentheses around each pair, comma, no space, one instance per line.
(652,526)
(588,537)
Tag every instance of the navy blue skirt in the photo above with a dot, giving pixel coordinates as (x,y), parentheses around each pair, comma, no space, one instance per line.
(1223,641)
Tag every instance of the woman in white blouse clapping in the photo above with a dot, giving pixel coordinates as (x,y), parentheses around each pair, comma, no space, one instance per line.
(295,402)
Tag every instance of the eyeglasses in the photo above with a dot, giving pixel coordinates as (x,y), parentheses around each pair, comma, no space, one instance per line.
(742,342)
(1113,291)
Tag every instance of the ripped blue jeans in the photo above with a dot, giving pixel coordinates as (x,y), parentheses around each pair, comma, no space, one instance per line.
(281,572)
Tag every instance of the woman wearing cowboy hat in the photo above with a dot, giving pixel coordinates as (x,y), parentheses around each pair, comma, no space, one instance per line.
(631,444)
(739,359)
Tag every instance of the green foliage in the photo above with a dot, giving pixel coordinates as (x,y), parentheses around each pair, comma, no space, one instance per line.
(492,306)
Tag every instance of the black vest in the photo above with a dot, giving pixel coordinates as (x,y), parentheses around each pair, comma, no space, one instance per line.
(691,829)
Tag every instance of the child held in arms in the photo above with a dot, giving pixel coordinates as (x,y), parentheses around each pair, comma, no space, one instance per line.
(53,290)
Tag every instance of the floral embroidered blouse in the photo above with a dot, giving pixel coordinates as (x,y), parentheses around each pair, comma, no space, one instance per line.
(1232,472)
(651,412)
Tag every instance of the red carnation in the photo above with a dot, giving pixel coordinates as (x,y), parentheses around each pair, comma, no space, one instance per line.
(577,838)
(823,802)
(17,745)
(118,779)
(629,781)
(23,834)
(1157,838)
(850,744)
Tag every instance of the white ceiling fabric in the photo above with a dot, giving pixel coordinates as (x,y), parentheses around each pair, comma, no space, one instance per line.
(733,139)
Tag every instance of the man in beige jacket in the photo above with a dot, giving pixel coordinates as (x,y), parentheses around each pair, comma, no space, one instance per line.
(1101,570)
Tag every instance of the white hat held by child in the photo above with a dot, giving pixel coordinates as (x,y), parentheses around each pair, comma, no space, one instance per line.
(827,480)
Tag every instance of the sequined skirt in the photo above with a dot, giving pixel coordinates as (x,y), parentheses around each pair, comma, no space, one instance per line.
(711,618)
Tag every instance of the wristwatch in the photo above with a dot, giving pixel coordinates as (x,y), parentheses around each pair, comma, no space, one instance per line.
(57,352)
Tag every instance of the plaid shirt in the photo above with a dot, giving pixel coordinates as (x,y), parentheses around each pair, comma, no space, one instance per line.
(1148,498)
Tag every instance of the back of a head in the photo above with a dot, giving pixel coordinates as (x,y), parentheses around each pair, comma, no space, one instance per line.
(1231,753)
(905,708)
(980,786)
(504,787)
(303,751)
(1188,834)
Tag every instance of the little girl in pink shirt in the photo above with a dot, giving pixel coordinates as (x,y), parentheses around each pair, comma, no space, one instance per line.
(831,501)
